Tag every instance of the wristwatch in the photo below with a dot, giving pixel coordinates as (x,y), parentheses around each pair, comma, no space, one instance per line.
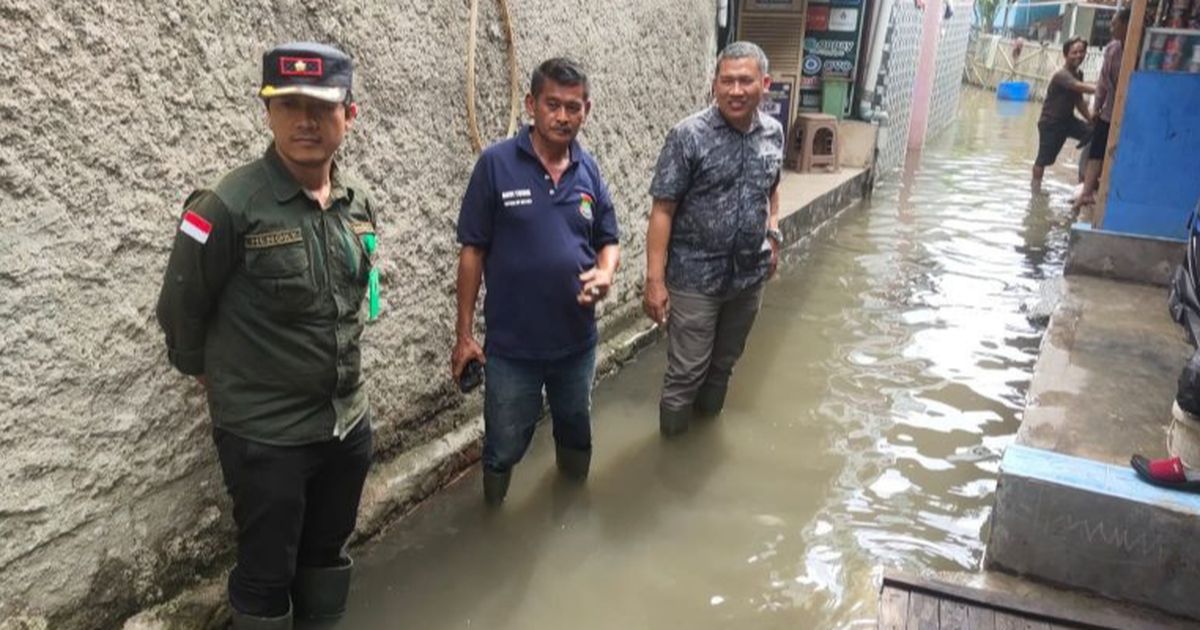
(775,235)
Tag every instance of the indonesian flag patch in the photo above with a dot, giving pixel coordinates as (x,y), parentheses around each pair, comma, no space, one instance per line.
(195,226)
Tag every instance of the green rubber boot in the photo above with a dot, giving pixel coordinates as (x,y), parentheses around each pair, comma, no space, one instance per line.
(710,400)
(673,422)
(495,486)
(250,622)
(573,463)
(321,593)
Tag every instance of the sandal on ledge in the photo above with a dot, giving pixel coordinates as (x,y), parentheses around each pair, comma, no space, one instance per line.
(1166,473)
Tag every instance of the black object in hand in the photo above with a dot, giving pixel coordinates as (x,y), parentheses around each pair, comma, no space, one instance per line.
(471,377)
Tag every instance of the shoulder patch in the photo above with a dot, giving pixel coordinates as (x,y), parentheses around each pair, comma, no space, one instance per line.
(362,227)
(262,240)
(195,226)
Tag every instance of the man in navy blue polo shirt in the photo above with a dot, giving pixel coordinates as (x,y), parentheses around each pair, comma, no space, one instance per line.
(536,222)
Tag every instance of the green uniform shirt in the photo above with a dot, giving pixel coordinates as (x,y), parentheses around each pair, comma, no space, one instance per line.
(263,294)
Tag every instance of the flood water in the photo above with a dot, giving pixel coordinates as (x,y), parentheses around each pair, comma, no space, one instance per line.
(883,379)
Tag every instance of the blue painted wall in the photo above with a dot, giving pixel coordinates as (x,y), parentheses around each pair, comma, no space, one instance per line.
(1155,181)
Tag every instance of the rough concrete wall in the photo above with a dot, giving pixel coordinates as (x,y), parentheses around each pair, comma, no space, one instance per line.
(898,79)
(951,58)
(113,111)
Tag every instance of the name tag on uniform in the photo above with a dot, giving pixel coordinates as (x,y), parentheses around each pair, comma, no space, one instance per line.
(263,240)
(519,197)
(362,227)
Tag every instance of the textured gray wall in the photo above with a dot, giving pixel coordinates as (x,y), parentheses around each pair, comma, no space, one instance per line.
(113,111)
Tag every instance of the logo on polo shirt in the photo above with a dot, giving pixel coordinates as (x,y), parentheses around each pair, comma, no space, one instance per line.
(585,205)
(518,197)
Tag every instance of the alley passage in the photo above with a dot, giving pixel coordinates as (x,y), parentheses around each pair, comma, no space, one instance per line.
(885,375)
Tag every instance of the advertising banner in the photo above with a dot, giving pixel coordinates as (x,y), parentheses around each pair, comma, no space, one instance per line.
(831,41)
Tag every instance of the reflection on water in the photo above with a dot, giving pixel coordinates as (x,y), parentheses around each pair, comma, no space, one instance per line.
(884,377)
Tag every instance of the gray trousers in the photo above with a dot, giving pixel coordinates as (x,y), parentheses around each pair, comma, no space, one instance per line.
(705,337)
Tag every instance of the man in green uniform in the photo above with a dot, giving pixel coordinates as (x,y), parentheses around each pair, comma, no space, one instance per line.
(263,303)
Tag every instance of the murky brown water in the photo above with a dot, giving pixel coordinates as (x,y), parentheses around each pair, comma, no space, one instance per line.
(884,377)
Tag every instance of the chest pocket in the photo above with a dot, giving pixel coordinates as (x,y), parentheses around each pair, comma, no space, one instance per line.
(278,263)
(764,170)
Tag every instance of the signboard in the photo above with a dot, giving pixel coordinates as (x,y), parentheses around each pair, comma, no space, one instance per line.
(830,46)
(778,103)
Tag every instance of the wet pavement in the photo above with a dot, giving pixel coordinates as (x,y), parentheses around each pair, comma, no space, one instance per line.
(885,375)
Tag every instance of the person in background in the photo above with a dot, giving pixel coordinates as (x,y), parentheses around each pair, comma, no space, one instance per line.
(1102,107)
(713,237)
(538,224)
(263,303)
(1064,97)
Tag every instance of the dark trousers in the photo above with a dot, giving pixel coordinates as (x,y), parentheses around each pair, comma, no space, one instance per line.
(513,404)
(705,338)
(293,506)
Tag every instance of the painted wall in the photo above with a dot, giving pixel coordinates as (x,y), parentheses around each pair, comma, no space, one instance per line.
(926,69)
(113,112)
(1155,180)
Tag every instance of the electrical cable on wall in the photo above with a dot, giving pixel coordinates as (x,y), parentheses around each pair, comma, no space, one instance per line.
(513,80)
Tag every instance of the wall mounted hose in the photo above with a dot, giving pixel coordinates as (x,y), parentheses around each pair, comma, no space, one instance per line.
(513,80)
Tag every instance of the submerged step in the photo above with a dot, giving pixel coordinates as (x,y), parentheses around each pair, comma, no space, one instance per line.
(1095,526)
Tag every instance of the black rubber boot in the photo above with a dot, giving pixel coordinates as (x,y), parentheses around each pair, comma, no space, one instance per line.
(495,486)
(321,593)
(710,400)
(573,463)
(672,422)
(250,622)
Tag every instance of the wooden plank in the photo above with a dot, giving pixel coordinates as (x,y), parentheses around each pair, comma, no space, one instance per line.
(893,609)
(1095,617)
(980,618)
(922,612)
(952,614)
(1129,59)
(1005,621)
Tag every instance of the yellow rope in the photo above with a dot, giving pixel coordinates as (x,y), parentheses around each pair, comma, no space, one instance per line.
(513,79)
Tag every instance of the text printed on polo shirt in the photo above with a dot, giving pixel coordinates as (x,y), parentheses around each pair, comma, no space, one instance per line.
(518,197)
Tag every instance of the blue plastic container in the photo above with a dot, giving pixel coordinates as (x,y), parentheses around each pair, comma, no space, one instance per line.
(1013,91)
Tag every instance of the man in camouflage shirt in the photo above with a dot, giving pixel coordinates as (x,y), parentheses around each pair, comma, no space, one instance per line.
(263,303)
(713,237)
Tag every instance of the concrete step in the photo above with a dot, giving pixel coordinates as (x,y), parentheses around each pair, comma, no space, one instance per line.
(1096,526)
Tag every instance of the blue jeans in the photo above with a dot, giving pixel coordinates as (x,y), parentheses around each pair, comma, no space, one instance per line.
(513,404)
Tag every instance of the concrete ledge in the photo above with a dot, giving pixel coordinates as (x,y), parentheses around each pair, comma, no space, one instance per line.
(1144,259)
(809,200)
(1095,526)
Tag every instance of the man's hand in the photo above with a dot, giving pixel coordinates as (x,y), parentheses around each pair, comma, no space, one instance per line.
(465,349)
(596,283)
(656,302)
(774,258)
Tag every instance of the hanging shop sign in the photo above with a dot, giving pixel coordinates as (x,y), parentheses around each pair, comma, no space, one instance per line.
(830,46)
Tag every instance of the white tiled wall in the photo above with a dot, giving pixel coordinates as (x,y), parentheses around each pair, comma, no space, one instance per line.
(898,77)
(951,59)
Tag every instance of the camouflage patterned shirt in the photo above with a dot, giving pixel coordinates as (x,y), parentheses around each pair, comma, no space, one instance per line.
(722,180)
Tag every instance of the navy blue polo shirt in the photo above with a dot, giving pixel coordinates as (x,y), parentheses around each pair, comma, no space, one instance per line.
(539,237)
